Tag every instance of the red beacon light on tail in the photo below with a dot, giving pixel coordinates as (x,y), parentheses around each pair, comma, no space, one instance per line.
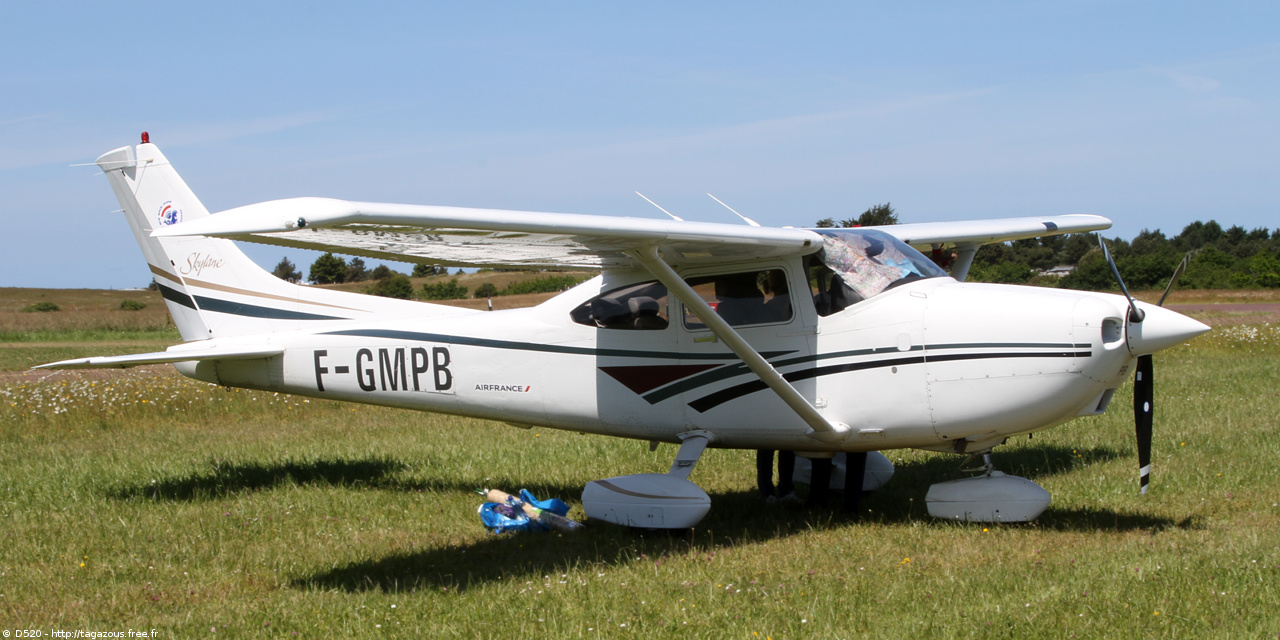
(146,138)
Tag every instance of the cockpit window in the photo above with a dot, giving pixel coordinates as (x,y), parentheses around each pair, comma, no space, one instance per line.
(865,263)
(637,306)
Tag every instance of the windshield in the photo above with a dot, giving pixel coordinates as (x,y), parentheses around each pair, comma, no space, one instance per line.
(871,261)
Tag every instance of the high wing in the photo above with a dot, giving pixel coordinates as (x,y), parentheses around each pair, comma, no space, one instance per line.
(980,232)
(457,236)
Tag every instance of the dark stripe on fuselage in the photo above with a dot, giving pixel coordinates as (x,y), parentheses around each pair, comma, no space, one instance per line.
(416,336)
(726,373)
(204,303)
(736,369)
(705,403)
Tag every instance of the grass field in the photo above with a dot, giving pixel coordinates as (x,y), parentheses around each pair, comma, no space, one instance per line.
(143,500)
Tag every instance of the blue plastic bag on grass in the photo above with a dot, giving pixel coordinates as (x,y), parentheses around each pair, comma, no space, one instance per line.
(501,518)
(554,505)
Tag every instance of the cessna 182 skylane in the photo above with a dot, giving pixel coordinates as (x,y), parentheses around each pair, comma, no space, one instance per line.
(704,335)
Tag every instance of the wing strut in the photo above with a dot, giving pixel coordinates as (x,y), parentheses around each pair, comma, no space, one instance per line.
(819,427)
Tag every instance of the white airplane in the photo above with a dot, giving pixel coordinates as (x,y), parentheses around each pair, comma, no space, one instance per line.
(818,341)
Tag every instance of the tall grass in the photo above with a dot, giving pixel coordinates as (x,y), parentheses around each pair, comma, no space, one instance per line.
(147,500)
(85,314)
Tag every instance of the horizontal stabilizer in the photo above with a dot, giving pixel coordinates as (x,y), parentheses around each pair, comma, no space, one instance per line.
(165,357)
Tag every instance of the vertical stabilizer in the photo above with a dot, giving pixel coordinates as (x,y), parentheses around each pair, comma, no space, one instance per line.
(211,288)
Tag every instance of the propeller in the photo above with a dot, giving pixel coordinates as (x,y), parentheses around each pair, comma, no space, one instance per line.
(1143,375)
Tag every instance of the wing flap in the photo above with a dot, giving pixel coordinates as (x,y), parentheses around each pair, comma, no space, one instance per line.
(164,357)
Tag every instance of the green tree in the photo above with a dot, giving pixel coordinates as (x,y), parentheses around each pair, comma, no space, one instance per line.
(383,271)
(1149,271)
(286,271)
(1198,234)
(1074,246)
(1010,273)
(1264,268)
(328,269)
(356,272)
(1211,268)
(425,270)
(1092,274)
(486,290)
(879,215)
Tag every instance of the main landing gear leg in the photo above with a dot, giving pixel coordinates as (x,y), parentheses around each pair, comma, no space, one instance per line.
(691,448)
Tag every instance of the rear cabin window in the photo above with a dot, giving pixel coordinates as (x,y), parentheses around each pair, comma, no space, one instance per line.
(744,298)
(640,306)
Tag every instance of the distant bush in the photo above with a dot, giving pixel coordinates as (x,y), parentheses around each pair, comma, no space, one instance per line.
(486,290)
(393,286)
(450,290)
(132,305)
(40,307)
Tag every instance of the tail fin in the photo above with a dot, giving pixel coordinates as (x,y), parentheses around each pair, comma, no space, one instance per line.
(210,287)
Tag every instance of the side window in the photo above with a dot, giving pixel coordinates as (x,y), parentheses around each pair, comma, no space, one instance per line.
(640,306)
(748,297)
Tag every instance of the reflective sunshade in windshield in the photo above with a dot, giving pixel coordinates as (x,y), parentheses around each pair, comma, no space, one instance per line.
(871,261)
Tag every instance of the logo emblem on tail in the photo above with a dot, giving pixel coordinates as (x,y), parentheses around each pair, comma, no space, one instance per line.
(169,214)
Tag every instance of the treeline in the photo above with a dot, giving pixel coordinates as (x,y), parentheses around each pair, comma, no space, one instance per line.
(1231,258)
(451,290)
(1220,258)
(332,269)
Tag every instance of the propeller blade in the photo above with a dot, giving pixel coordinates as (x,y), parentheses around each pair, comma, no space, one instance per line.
(1135,314)
(1143,394)
(1174,278)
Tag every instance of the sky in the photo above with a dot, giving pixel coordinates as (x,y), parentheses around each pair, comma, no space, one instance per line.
(1153,114)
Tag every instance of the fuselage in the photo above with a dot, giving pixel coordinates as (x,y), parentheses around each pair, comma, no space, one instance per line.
(933,363)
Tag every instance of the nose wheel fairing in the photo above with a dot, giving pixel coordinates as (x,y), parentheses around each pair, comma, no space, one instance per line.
(991,497)
(994,497)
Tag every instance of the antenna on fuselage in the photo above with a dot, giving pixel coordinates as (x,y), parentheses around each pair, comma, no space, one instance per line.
(673,216)
(748,220)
